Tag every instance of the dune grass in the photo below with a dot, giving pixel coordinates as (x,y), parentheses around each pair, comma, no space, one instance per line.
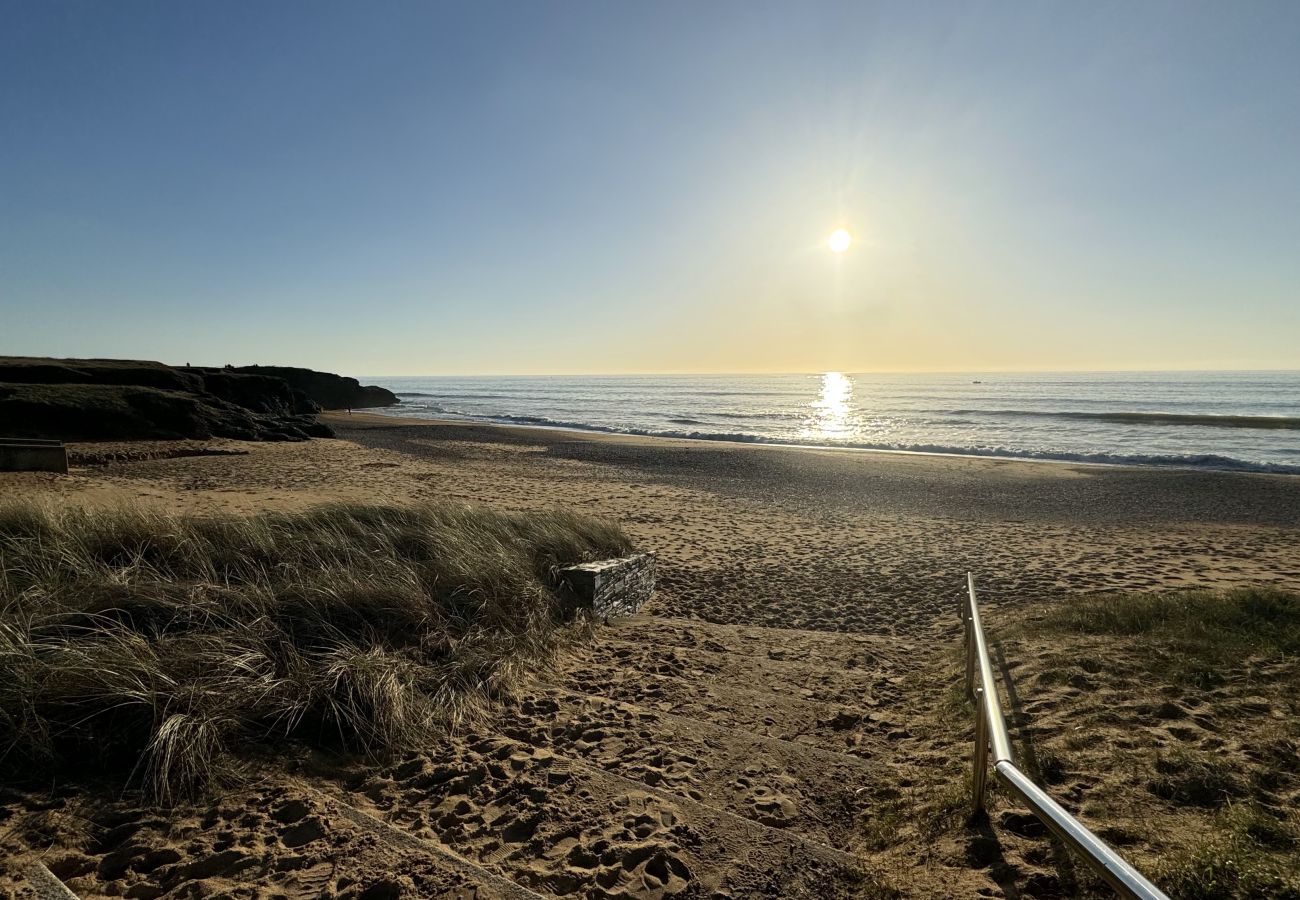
(1231,660)
(163,647)
(1194,636)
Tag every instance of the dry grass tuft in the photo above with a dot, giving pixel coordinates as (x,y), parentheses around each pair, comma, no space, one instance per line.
(155,645)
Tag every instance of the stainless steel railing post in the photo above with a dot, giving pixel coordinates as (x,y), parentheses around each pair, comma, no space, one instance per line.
(970,657)
(979,777)
(991,708)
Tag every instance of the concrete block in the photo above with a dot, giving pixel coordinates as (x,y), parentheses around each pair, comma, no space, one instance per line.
(611,587)
(46,885)
(32,455)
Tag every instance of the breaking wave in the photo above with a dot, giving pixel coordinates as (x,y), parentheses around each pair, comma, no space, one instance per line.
(1148,418)
(1210,461)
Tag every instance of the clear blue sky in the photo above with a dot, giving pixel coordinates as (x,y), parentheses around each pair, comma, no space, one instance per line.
(424,188)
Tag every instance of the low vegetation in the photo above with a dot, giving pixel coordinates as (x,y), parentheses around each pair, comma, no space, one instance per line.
(1193,636)
(163,647)
(1188,707)
(1252,855)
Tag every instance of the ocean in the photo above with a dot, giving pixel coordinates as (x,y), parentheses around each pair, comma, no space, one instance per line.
(1245,421)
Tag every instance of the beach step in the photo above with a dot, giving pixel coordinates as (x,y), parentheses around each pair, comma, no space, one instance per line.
(796,787)
(559,826)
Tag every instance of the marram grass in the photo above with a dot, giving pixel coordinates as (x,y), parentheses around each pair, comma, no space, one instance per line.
(162,646)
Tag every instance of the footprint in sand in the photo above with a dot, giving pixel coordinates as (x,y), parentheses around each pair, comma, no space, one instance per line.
(303,832)
(771,807)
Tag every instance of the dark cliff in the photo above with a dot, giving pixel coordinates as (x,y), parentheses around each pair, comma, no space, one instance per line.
(110,399)
(329,390)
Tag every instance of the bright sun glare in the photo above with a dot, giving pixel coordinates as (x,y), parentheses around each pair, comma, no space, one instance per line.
(839,240)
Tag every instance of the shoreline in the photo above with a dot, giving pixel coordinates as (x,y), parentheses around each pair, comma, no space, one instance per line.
(594,433)
(973,488)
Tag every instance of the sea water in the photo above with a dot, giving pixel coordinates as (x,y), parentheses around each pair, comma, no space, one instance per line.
(1225,420)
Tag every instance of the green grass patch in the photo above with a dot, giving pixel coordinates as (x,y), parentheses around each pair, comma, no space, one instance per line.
(1193,636)
(1252,855)
(163,646)
(1196,778)
(927,811)
(1230,658)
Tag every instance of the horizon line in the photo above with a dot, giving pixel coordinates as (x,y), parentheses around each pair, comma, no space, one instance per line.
(814,372)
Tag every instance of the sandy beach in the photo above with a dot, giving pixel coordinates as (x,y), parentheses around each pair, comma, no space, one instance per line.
(788,694)
(782,537)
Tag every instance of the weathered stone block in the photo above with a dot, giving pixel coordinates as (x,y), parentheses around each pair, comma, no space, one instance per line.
(45,885)
(32,455)
(611,587)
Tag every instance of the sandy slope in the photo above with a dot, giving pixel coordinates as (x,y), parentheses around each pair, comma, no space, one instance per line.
(782,721)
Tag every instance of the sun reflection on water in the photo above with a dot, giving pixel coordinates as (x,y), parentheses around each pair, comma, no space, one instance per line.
(829,419)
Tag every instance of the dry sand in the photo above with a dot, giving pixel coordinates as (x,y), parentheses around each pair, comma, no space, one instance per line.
(780,721)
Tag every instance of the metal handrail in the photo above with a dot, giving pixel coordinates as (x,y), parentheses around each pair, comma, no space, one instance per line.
(991,727)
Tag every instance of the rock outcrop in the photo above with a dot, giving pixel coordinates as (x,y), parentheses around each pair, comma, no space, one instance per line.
(260,393)
(108,399)
(329,390)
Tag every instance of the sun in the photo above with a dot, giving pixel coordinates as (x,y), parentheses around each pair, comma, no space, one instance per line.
(839,240)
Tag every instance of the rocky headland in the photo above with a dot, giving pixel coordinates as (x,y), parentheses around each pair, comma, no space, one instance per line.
(112,399)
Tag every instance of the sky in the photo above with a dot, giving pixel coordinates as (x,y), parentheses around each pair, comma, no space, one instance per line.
(569,187)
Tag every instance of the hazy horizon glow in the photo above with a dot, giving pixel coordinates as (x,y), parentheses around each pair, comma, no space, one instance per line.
(506,188)
(488,376)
